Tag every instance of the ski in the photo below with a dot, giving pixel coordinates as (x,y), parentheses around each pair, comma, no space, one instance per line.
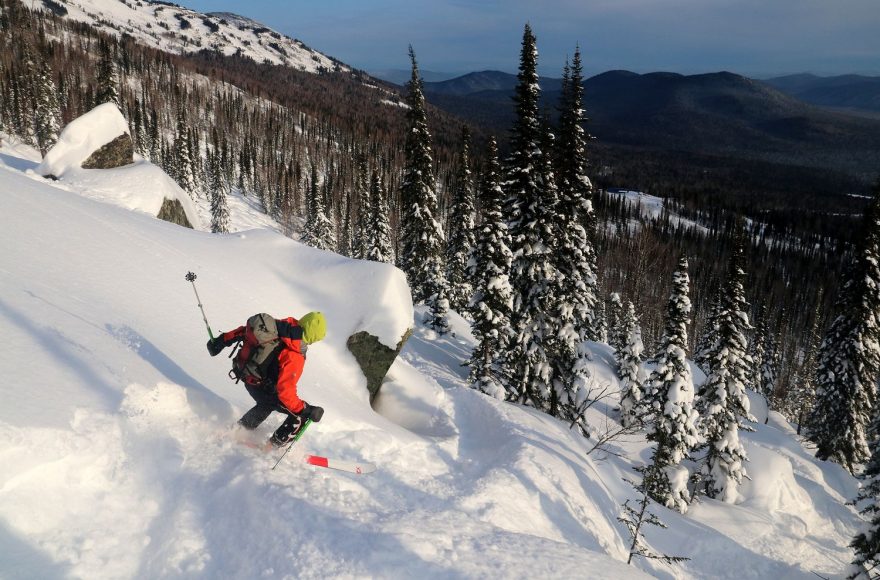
(339,465)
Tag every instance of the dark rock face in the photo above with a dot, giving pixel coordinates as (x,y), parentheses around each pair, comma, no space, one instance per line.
(374,357)
(116,153)
(172,211)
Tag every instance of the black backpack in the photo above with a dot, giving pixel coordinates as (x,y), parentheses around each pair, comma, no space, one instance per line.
(258,351)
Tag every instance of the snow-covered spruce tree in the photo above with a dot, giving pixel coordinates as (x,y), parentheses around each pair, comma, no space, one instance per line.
(576,260)
(849,357)
(669,404)
(47,113)
(566,355)
(527,364)
(379,229)
(708,336)
(361,232)
(437,316)
(461,239)
(183,157)
(769,369)
(488,269)
(801,396)
(219,190)
(108,77)
(346,236)
(25,81)
(866,543)
(600,324)
(722,399)
(757,350)
(616,332)
(155,151)
(422,240)
(629,369)
(318,231)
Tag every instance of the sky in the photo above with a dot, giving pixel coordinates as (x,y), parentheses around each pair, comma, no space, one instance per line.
(753,37)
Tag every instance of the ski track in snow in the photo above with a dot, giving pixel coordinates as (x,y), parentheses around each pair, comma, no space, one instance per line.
(118,458)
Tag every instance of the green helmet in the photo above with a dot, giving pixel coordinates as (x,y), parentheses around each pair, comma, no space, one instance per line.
(314,327)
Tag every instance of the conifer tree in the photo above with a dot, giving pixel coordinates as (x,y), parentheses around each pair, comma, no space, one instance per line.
(461,239)
(183,161)
(866,543)
(849,357)
(531,226)
(576,258)
(219,190)
(26,96)
(704,347)
(670,396)
(437,316)
(768,367)
(361,234)
(319,231)
(346,236)
(629,369)
(108,77)
(600,324)
(47,113)
(155,148)
(489,269)
(379,229)
(565,354)
(722,399)
(757,351)
(616,333)
(422,240)
(635,518)
(801,397)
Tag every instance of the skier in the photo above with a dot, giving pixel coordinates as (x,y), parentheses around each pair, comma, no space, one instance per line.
(272,383)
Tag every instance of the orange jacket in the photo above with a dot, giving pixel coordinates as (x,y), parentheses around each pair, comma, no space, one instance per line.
(291,360)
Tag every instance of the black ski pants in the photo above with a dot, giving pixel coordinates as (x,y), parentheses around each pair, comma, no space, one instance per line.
(267,401)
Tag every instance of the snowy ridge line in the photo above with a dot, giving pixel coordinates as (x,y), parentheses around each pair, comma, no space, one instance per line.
(176,29)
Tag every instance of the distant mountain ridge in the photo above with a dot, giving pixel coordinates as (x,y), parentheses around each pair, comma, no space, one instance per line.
(715,113)
(172,28)
(856,92)
(487,80)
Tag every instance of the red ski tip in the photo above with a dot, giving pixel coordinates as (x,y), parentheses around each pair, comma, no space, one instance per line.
(319,461)
(349,466)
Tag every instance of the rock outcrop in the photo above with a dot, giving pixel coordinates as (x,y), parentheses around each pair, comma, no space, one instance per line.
(116,153)
(172,211)
(374,358)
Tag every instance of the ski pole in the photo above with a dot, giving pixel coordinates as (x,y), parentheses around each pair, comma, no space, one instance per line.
(191,277)
(295,439)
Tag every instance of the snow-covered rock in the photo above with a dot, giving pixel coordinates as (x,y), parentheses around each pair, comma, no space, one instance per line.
(139,186)
(82,137)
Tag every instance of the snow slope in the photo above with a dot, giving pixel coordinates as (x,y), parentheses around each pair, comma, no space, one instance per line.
(651,207)
(118,460)
(176,29)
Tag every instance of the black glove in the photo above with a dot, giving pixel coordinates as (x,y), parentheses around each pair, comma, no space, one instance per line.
(215,345)
(312,412)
